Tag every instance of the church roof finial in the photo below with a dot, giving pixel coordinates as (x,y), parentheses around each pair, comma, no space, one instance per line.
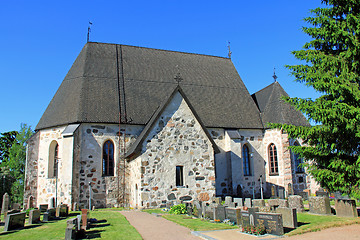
(274,76)
(229,51)
(89,30)
(178,77)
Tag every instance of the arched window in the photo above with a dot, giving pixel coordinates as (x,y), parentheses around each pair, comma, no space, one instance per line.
(298,160)
(273,160)
(246,161)
(108,159)
(53,159)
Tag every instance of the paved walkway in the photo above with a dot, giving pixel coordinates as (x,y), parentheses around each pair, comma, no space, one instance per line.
(151,227)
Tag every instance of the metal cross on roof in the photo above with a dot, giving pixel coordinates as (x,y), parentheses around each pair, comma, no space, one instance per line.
(274,76)
(178,77)
(229,53)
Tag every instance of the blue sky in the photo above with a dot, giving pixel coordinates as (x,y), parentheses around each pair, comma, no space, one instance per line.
(39,40)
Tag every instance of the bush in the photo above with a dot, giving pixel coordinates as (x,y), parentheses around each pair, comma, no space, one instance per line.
(178,209)
(28,211)
(259,230)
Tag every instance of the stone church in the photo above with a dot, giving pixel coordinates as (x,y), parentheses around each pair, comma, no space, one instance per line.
(141,127)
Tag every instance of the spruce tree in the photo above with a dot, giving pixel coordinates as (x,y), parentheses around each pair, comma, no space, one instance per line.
(331,65)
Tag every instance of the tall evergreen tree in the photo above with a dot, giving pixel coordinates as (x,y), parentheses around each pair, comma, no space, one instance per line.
(332,68)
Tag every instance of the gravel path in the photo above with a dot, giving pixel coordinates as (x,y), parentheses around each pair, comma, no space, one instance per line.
(152,227)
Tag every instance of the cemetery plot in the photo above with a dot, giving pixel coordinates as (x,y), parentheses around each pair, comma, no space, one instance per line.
(14,221)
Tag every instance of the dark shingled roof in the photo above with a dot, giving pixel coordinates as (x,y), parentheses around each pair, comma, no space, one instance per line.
(103,74)
(275,110)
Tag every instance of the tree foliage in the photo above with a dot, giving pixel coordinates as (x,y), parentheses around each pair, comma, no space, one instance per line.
(13,163)
(332,67)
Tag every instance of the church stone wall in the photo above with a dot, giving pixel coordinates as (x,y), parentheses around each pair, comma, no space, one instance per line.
(177,139)
(106,191)
(31,169)
(47,186)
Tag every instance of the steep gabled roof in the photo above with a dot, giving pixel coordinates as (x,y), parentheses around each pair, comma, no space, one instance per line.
(137,145)
(275,110)
(107,78)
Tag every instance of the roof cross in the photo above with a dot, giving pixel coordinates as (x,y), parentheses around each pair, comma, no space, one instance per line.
(274,76)
(229,53)
(178,77)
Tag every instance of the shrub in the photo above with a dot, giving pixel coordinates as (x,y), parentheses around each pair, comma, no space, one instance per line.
(178,209)
(259,230)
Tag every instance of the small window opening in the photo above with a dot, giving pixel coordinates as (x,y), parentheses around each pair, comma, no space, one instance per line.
(179,176)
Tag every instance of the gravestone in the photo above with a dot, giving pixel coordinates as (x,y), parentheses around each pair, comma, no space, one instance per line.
(296,201)
(232,205)
(289,217)
(321,193)
(197,209)
(219,213)
(272,222)
(258,202)
(5,204)
(62,211)
(290,189)
(189,209)
(231,214)
(16,206)
(247,202)
(304,195)
(339,195)
(319,205)
(43,207)
(228,200)
(14,221)
(74,207)
(238,202)
(217,200)
(275,203)
(274,192)
(70,232)
(30,202)
(281,193)
(345,208)
(49,215)
(34,216)
(52,203)
(84,218)
(11,212)
(265,209)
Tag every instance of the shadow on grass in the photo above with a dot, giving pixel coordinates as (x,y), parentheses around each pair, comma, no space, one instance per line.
(93,234)
(287,230)
(19,229)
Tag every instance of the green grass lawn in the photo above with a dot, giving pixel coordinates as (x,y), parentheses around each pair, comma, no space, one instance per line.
(115,227)
(312,223)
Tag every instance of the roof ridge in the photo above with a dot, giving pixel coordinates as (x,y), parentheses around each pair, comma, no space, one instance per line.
(164,50)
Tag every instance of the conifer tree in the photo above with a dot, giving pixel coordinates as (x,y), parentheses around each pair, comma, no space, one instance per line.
(332,67)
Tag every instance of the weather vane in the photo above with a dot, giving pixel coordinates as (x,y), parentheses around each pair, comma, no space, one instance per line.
(229,53)
(178,77)
(89,30)
(274,76)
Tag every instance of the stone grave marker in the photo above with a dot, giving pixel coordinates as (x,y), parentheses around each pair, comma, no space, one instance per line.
(75,206)
(271,221)
(321,193)
(34,216)
(49,215)
(290,189)
(52,203)
(296,201)
(289,217)
(319,205)
(238,202)
(274,203)
(84,218)
(339,195)
(5,204)
(274,192)
(228,200)
(30,202)
(16,206)
(43,207)
(304,195)
(189,209)
(219,213)
(265,209)
(203,209)
(62,211)
(197,209)
(247,202)
(231,214)
(11,212)
(14,221)
(217,200)
(345,208)
(258,202)
(281,193)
